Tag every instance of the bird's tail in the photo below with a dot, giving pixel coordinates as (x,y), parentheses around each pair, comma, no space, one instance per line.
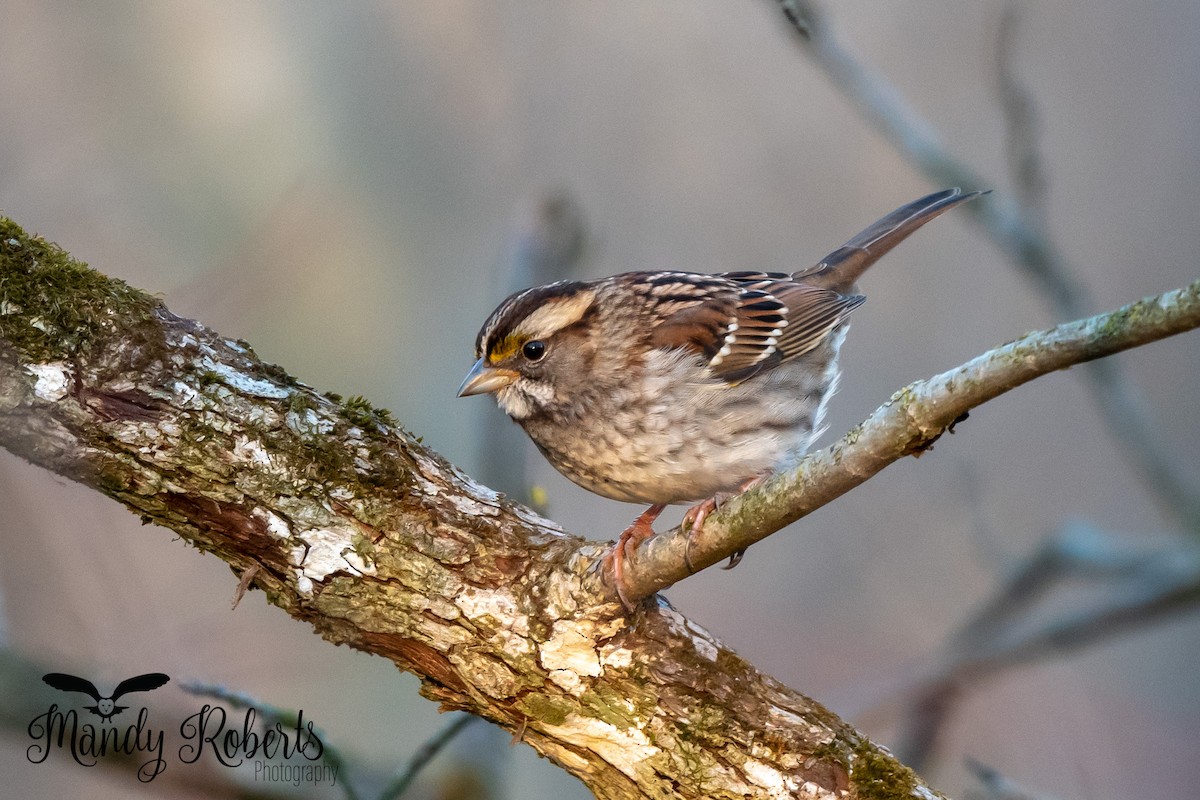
(840,269)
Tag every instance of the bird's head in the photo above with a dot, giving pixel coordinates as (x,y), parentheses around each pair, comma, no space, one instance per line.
(535,351)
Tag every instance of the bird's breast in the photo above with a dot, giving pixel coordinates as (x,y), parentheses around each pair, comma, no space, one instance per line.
(676,434)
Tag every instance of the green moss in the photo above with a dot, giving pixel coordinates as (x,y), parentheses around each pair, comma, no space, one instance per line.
(834,751)
(704,726)
(875,773)
(272,371)
(544,709)
(112,477)
(612,707)
(364,548)
(300,401)
(879,776)
(52,306)
(360,412)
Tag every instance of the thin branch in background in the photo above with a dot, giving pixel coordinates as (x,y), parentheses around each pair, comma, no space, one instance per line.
(1026,168)
(274,714)
(1077,551)
(994,786)
(549,242)
(1139,587)
(1011,228)
(399,785)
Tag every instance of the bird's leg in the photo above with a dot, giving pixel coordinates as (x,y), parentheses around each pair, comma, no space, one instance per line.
(636,533)
(695,516)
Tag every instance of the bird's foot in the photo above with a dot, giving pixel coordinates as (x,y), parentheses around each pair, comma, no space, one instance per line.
(694,519)
(627,544)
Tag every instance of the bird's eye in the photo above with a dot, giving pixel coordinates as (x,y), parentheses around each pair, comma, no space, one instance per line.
(534,349)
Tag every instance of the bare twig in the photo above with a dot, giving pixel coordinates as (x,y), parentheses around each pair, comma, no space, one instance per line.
(1021,122)
(244,584)
(995,786)
(1011,229)
(1142,586)
(424,755)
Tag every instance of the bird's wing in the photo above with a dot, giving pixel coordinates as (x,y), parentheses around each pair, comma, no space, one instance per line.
(140,683)
(70,683)
(746,322)
(778,320)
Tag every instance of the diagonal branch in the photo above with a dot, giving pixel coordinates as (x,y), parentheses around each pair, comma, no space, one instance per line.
(1017,235)
(907,424)
(351,525)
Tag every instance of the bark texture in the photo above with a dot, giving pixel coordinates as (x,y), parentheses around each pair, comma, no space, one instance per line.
(349,523)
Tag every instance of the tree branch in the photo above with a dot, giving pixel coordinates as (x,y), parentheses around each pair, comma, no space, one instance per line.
(907,424)
(380,544)
(1018,236)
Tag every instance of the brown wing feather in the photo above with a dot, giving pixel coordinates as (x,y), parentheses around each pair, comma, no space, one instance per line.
(814,315)
(841,268)
(700,326)
(777,319)
(743,322)
(695,310)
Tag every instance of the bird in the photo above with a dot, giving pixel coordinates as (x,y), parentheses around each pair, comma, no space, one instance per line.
(106,707)
(664,387)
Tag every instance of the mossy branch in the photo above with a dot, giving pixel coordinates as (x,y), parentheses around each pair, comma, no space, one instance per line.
(346,521)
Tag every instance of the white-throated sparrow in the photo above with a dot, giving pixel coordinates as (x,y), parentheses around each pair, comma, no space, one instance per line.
(671,387)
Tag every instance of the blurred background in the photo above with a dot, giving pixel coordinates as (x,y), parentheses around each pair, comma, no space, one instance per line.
(353,187)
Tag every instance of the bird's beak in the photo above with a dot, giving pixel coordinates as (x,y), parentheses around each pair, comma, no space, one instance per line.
(483,379)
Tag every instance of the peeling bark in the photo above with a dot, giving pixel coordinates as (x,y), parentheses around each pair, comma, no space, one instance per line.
(350,524)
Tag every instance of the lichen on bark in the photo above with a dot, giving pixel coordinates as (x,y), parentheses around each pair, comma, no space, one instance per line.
(351,524)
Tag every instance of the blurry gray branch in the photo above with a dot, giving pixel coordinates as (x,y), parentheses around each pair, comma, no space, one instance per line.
(548,243)
(346,779)
(405,777)
(1015,229)
(1020,111)
(1139,586)
(995,786)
